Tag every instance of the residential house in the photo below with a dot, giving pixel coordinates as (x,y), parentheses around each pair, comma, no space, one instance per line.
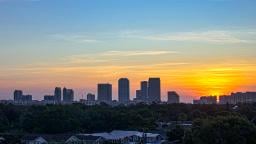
(85,139)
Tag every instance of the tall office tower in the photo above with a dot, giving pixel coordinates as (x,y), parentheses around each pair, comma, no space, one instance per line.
(144,90)
(68,95)
(57,95)
(90,97)
(123,90)
(154,90)
(18,95)
(173,97)
(105,92)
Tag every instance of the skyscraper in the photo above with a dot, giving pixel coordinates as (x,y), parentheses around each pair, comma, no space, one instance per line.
(57,95)
(154,90)
(173,97)
(123,90)
(68,95)
(105,92)
(144,90)
(18,95)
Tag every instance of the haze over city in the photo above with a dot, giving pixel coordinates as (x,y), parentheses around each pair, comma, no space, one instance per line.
(196,47)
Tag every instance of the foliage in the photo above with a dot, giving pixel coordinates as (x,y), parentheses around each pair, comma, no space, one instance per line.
(80,118)
(176,134)
(222,130)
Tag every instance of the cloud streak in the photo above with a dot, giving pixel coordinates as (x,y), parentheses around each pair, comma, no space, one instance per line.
(207,36)
(74,38)
(137,53)
(112,57)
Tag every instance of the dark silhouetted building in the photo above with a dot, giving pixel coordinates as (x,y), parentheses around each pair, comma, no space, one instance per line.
(138,95)
(144,90)
(57,94)
(238,97)
(18,95)
(49,98)
(90,97)
(206,100)
(20,98)
(123,90)
(154,90)
(173,97)
(105,92)
(27,98)
(68,95)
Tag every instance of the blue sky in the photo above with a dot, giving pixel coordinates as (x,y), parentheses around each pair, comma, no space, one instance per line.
(64,33)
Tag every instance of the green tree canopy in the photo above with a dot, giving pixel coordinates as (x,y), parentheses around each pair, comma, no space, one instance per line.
(222,130)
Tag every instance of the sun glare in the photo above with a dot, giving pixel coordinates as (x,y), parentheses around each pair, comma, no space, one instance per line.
(215,83)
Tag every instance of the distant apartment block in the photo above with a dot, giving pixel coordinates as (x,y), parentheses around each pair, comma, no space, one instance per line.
(154,90)
(173,97)
(18,95)
(238,97)
(68,95)
(144,90)
(49,99)
(206,100)
(20,98)
(90,97)
(57,95)
(138,95)
(105,92)
(123,90)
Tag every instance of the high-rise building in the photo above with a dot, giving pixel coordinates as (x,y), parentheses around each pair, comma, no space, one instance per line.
(123,90)
(144,90)
(105,92)
(57,94)
(154,90)
(20,98)
(90,97)
(173,97)
(18,95)
(68,95)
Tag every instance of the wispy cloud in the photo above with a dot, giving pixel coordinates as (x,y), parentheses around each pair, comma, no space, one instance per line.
(74,38)
(137,53)
(207,36)
(112,56)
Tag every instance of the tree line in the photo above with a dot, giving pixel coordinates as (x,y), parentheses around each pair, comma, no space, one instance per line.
(76,118)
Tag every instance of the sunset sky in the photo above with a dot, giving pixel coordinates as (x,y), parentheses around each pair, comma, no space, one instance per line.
(196,47)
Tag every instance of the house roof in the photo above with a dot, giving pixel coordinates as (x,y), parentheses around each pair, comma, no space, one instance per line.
(56,137)
(30,137)
(87,137)
(119,134)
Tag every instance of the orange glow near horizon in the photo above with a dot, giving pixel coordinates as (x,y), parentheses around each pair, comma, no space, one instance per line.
(189,81)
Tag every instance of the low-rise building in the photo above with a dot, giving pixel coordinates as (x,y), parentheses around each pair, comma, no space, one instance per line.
(206,100)
(33,139)
(85,139)
(238,97)
(173,97)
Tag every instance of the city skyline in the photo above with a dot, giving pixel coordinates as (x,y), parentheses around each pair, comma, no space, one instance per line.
(196,47)
(149,92)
